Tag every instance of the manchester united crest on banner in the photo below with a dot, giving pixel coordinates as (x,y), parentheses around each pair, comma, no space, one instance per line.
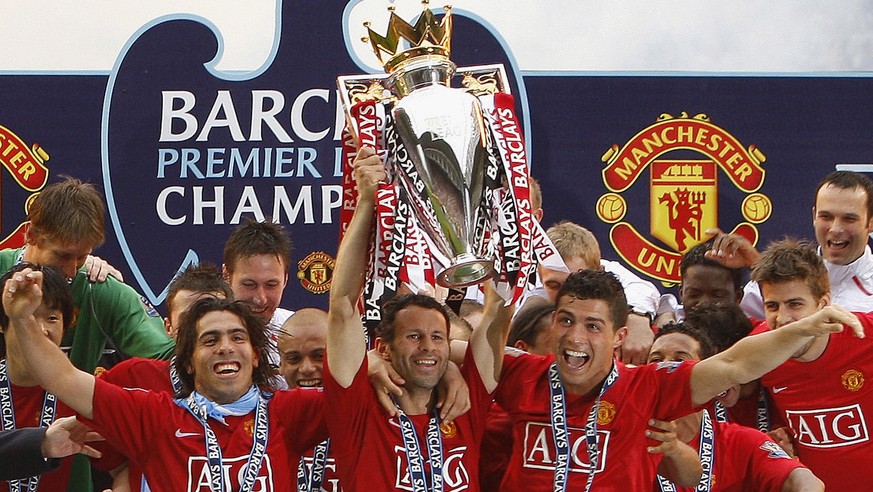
(316,271)
(683,155)
(26,164)
(684,201)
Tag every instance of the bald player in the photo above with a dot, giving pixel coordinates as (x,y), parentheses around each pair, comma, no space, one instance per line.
(301,348)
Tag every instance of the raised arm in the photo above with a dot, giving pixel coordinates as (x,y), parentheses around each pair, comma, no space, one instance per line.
(732,250)
(754,356)
(345,332)
(489,338)
(22,295)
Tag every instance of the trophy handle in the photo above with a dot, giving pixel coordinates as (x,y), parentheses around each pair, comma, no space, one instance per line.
(478,80)
(482,80)
(354,89)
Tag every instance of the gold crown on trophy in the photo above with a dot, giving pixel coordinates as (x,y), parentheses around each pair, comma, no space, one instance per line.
(427,37)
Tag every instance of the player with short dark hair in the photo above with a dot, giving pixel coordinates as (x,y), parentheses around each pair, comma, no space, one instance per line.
(599,408)
(734,457)
(842,219)
(257,258)
(579,250)
(23,403)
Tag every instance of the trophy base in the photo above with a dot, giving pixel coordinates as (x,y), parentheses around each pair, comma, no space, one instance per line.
(465,270)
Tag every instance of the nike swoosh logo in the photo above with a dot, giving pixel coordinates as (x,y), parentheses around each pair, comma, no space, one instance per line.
(777,390)
(179,433)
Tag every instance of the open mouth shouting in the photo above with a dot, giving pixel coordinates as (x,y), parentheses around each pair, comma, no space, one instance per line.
(576,359)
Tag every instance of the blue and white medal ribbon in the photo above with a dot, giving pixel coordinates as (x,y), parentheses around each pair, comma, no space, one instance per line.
(175,380)
(7,422)
(213,450)
(311,482)
(720,412)
(706,453)
(762,416)
(561,434)
(414,456)
(762,412)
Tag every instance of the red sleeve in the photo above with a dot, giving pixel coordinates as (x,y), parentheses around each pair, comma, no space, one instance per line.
(347,411)
(127,417)
(111,458)
(766,464)
(480,398)
(303,412)
(119,375)
(519,376)
(673,397)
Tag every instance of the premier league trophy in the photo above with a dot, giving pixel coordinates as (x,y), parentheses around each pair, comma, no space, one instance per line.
(442,153)
(442,130)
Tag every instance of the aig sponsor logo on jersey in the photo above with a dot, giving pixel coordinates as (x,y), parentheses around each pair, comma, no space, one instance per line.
(234,468)
(456,478)
(829,427)
(539,448)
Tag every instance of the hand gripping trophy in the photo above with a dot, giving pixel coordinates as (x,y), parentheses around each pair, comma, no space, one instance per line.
(458,197)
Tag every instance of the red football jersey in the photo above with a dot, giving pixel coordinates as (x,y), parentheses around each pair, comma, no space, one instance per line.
(827,404)
(150,374)
(661,391)
(330,481)
(368,446)
(168,443)
(27,403)
(745,459)
(496,448)
(136,372)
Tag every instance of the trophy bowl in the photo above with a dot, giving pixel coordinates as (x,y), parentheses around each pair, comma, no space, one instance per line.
(443,134)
